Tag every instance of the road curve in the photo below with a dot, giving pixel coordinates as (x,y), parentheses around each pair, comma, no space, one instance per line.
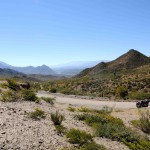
(91,103)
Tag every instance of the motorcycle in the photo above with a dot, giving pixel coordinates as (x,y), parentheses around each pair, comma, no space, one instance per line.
(143,103)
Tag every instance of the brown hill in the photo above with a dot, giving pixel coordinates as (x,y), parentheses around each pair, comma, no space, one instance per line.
(130,60)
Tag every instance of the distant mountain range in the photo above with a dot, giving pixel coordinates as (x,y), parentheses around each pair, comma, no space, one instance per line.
(42,70)
(69,69)
(73,68)
(130,60)
(9,73)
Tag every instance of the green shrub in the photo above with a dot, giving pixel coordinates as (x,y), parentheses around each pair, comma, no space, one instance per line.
(11,96)
(139,95)
(49,100)
(136,123)
(91,119)
(57,118)
(72,109)
(107,126)
(145,121)
(104,110)
(53,90)
(84,109)
(81,117)
(115,132)
(93,146)
(29,95)
(76,136)
(37,114)
(13,85)
(121,92)
(61,130)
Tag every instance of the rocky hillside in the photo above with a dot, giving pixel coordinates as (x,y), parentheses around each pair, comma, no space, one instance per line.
(130,60)
(9,73)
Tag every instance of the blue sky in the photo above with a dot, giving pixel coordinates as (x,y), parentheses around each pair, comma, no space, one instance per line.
(36,32)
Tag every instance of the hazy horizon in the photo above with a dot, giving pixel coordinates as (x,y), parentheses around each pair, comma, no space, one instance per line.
(53,32)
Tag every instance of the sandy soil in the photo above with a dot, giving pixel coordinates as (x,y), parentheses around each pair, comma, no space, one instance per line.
(92,103)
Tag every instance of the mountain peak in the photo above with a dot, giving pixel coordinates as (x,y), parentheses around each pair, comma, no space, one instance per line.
(130,60)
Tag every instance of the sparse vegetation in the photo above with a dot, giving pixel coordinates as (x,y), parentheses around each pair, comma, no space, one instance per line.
(57,118)
(83,140)
(29,95)
(93,146)
(76,136)
(144,122)
(126,84)
(49,100)
(37,114)
(11,96)
(61,130)
(53,90)
(107,126)
(13,85)
(83,109)
(121,92)
(72,109)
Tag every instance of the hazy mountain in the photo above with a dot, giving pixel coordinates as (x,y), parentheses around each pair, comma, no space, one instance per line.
(130,60)
(4,65)
(43,70)
(73,68)
(9,73)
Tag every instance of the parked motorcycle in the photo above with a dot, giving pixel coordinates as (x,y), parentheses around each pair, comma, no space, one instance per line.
(143,103)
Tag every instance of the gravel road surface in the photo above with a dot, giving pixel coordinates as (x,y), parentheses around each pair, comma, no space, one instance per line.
(92,103)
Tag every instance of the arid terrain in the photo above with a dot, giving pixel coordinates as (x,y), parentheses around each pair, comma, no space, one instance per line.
(18,132)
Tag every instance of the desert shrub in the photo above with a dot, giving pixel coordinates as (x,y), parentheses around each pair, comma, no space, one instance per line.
(72,109)
(139,95)
(37,114)
(72,148)
(76,136)
(13,85)
(115,132)
(49,100)
(61,130)
(140,145)
(113,128)
(11,96)
(91,119)
(93,146)
(66,91)
(29,95)
(57,118)
(4,85)
(136,123)
(104,110)
(53,90)
(145,121)
(84,109)
(121,92)
(81,117)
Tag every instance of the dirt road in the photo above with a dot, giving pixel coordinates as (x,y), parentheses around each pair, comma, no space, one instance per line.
(91,103)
